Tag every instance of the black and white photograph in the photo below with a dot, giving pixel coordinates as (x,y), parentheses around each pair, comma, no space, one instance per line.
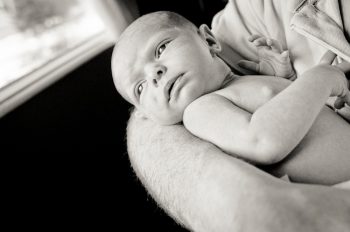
(174,115)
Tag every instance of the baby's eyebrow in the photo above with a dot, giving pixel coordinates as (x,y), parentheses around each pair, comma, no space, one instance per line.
(156,38)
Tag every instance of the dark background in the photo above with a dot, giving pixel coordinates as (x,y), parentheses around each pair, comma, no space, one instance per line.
(64,153)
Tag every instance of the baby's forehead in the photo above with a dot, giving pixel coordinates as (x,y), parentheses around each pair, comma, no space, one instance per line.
(133,45)
(143,31)
(138,38)
(146,25)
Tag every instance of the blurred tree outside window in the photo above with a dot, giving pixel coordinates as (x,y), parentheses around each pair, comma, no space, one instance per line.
(35,32)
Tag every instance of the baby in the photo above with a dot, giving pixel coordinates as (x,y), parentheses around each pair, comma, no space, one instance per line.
(171,71)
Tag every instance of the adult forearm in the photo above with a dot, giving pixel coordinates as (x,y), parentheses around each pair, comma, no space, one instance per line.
(207,190)
(196,183)
(163,160)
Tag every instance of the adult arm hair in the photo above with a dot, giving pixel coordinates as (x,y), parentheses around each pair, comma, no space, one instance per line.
(204,189)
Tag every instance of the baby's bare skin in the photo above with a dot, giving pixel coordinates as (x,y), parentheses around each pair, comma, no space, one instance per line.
(322,157)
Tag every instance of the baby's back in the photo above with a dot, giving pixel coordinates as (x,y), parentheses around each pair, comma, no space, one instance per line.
(322,157)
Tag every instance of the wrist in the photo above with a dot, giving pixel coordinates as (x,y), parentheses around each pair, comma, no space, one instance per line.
(328,76)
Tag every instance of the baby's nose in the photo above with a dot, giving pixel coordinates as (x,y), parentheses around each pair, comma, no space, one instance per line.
(157,74)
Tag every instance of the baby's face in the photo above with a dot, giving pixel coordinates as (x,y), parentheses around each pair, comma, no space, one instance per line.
(162,71)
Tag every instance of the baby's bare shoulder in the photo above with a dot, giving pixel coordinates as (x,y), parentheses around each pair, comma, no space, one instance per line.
(250,92)
(200,108)
(207,99)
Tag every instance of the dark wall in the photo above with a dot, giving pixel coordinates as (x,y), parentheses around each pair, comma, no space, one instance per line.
(66,149)
(68,160)
(197,11)
(80,113)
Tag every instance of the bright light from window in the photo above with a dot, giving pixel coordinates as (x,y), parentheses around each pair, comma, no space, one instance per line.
(35,32)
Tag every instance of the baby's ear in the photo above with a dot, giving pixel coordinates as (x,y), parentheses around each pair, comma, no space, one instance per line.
(208,36)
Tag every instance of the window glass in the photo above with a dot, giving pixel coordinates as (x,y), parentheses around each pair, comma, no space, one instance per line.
(35,32)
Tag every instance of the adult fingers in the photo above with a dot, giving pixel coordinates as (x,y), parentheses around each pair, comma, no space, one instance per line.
(344,66)
(328,58)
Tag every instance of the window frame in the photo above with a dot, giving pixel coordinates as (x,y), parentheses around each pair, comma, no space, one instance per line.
(114,15)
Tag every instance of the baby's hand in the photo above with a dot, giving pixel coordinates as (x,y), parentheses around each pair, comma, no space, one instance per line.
(342,101)
(344,109)
(342,106)
(272,59)
(345,112)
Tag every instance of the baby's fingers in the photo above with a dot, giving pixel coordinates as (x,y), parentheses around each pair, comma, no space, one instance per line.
(345,113)
(274,44)
(262,41)
(341,101)
(249,65)
(258,40)
(253,37)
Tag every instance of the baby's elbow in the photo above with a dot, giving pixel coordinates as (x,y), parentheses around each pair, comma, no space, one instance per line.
(267,93)
(268,152)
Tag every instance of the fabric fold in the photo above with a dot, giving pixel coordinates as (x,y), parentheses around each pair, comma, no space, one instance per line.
(316,25)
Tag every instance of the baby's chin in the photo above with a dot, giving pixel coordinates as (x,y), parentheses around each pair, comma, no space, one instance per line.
(168,120)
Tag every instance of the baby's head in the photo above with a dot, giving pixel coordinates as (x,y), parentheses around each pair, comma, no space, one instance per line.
(162,62)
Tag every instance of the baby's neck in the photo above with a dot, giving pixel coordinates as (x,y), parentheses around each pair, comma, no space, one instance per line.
(229,73)
(229,77)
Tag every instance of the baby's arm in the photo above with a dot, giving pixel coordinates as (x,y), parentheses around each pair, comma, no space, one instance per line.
(277,127)
(272,59)
(275,61)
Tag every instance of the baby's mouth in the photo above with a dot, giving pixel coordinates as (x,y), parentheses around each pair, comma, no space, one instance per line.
(171,88)
(172,85)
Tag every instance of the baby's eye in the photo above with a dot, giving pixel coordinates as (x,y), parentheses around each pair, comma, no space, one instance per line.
(161,49)
(139,89)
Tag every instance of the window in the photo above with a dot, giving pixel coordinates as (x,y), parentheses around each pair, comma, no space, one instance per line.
(42,40)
